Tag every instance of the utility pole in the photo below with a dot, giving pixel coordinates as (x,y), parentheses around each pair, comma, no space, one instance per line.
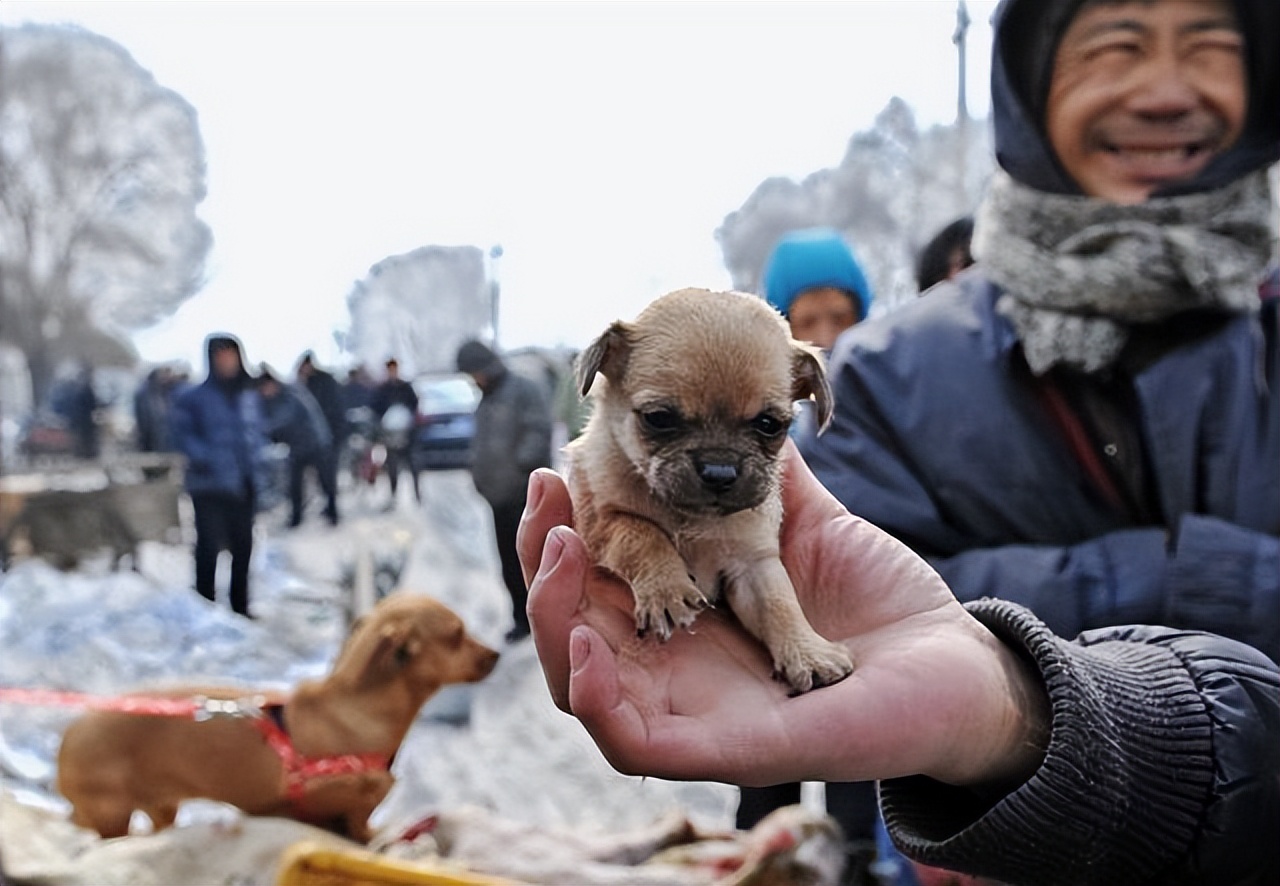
(960,39)
(495,290)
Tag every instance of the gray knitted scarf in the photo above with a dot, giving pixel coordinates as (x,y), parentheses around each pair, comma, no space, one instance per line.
(1078,273)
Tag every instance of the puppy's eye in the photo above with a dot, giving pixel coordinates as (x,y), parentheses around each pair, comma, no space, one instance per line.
(661,421)
(767,425)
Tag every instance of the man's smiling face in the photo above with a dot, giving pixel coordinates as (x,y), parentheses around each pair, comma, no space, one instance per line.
(1145,93)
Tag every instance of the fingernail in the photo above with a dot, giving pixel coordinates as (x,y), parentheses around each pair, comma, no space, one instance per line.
(579,650)
(552,548)
(534,494)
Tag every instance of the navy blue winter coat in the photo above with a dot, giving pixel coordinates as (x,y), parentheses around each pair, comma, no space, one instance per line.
(940,441)
(220,431)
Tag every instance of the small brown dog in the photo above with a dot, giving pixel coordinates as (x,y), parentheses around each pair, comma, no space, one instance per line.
(112,763)
(676,481)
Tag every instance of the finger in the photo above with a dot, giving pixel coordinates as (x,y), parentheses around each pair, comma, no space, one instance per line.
(547,505)
(612,718)
(557,595)
(805,501)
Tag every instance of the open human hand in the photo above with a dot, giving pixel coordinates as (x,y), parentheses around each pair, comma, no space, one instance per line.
(933,691)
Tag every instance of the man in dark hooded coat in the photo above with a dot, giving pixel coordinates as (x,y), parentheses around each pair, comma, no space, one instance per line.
(218,426)
(512,439)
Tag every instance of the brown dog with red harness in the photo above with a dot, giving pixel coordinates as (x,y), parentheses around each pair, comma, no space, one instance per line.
(320,755)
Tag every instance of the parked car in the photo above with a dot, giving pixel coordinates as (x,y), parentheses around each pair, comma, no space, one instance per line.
(446,421)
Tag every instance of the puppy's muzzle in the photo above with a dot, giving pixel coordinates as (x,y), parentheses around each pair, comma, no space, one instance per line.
(717,471)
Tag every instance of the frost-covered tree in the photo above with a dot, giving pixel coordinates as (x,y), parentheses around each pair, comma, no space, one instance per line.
(101,171)
(419,308)
(894,189)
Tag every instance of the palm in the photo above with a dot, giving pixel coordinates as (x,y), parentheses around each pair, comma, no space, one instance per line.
(704,704)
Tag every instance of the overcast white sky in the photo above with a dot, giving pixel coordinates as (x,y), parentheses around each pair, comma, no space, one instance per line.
(600,143)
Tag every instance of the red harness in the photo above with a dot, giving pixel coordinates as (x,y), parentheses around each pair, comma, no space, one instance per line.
(298,770)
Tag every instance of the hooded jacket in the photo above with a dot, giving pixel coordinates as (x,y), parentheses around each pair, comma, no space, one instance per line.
(513,427)
(218,426)
(942,437)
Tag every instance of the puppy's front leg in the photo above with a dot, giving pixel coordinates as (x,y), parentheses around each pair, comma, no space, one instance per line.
(763,599)
(644,555)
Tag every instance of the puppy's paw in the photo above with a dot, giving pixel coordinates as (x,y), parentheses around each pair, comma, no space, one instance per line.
(811,664)
(661,610)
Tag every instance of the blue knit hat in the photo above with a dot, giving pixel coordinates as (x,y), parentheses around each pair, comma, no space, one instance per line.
(809,259)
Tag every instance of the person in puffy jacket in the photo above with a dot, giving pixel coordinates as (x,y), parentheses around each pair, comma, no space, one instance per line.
(512,439)
(294,418)
(218,426)
(1089,423)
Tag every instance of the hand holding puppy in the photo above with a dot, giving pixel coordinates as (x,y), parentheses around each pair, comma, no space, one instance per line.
(935,693)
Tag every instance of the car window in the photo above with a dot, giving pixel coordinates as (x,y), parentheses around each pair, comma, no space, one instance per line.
(446,395)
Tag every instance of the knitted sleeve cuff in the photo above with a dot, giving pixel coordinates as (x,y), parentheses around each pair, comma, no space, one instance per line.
(1121,790)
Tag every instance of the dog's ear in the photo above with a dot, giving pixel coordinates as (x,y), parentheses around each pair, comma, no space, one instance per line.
(606,355)
(809,379)
(394,649)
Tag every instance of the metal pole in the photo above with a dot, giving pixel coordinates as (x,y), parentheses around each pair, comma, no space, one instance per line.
(495,290)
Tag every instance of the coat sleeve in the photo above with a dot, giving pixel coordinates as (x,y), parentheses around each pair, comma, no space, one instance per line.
(1204,573)
(1163,767)
(533,444)
(186,435)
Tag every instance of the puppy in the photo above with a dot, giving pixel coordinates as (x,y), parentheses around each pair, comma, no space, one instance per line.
(396,657)
(676,481)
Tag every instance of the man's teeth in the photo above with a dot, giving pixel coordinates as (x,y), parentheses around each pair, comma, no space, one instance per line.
(1158,154)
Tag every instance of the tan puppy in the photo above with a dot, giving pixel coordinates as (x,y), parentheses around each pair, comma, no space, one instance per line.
(676,479)
(396,657)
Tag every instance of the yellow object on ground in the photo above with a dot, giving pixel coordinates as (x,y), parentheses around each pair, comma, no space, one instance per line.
(313,864)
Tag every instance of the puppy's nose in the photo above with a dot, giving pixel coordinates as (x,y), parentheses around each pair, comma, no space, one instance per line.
(717,474)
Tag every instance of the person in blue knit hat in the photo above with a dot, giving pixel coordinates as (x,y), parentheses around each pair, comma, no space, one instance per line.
(813,279)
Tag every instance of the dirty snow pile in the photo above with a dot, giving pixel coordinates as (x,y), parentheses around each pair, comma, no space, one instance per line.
(500,745)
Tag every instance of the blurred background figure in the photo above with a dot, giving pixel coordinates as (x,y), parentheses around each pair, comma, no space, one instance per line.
(76,403)
(946,255)
(218,426)
(395,405)
(813,279)
(152,404)
(512,440)
(293,417)
(327,393)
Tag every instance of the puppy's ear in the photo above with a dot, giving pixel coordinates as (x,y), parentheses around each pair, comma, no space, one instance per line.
(607,355)
(809,379)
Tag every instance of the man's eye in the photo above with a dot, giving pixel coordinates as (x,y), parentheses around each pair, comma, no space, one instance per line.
(767,425)
(661,421)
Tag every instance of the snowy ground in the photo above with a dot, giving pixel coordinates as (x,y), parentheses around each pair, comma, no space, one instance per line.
(501,744)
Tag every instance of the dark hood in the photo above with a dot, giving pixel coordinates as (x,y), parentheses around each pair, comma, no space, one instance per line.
(216,342)
(1026,36)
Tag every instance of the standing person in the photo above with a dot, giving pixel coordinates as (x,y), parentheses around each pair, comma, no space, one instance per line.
(1089,422)
(512,439)
(328,395)
(814,280)
(294,418)
(218,426)
(152,404)
(395,405)
(78,404)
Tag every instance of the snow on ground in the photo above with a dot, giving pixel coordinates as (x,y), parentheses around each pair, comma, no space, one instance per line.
(500,744)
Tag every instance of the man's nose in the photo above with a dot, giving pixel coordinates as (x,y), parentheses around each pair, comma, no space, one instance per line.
(1164,88)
